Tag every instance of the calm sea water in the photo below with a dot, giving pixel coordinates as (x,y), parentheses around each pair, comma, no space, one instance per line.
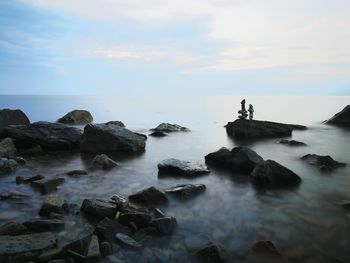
(304,223)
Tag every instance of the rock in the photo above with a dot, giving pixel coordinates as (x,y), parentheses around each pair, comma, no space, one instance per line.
(165,225)
(76,172)
(127,241)
(344,203)
(140,219)
(32,151)
(260,129)
(264,251)
(342,118)
(26,243)
(20,160)
(271,174)
(325,163)
(158,134)
(117,123)
(104,162)
(93,252)
(50,255)
(106,249)
(47,135)
(120,201)
(102,138)
(186,191)
(12,117)
(99,208)
(13,195)
(12,229)
(78,247)
(183,168)
(53,204)
(158,213)
(292,142)
(76,117)
(241,159)
(212,253)
(149,196)
(47,185)
(107,228)
(7,166)
(44,225)
(7,148)
(167,127)
(21,179)
(113,259)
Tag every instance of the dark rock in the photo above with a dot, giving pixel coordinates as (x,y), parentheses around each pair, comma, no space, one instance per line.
(7,166)
(264,251)
(12,229)
(127,241)
(13,195)
(325,163)
(50,254)
(113,259)
(158,134)
(20,160)
(158,213)
(271,174)
(12,117)
(186,191)
(106,249)
(149,196)
(107,228)
(167,127)
(102,138)
(46,134)
(99,208)
(260,129)
(341,118)
(117,123)
(79,247)
(142,135)
(93,252)
(183,168)
(165,225)
(53,204)
(76,172)
(140,219)
(292,142)
(212,253)
(21,179)
(32,151)
(76,117)
(241,159)
(104,162)
(7,148)
(120,201)
(47,185)
(344,203)
(75,256)
(44,225)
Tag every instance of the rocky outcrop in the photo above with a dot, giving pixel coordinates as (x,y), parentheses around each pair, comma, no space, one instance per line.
(323,162)
(102,138)
(149,196)
(253,129)
(182,168)
(12,117)
(76,117)
(107,228)
(271,174)
(104,162)
(8,166)
(158,134)
(342,118)
(99,208)
(292,143)
(241,159)
(7,148)
(167,127)
(46,134)
(23,180)
(139,219)
(186,191)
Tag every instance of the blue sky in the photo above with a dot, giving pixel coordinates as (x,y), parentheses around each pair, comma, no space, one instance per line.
(180,47)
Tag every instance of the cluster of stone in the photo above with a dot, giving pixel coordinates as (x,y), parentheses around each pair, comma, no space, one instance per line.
(243,113)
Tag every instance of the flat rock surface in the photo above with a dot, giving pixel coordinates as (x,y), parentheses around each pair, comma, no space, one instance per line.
(183,168)
(99,208)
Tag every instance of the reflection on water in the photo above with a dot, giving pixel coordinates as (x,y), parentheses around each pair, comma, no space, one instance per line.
(304,223)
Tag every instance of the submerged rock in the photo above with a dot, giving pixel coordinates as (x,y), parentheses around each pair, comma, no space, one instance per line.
(183,168)
(324,163)
(44,225)
(271,174)
(186,191)
(104,162)
(167,127)
(7,148)
(149,196)
(212,253)
(127,241)
(99,208)
(14,194)
(292,142)
(12,229)
(102,138)
(47,185)
(260,129)
(240,159)
(344,203)
(7,166)
(76,172)
(76,117)
(165,225)
(12,117)
(53,204)
(341,118)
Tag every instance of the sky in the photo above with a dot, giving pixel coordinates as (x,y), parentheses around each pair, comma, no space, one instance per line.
(175,47)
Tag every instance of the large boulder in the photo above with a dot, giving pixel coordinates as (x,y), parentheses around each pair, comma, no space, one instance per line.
(323,162)
(167,127)
(182,168)
(7,148)
(46,134)
(12,117)
(103,138)
(271,174)
(76,117)
(260,129)
(240,159)
(341,118)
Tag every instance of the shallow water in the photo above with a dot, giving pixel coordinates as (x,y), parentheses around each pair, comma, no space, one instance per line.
(304,223)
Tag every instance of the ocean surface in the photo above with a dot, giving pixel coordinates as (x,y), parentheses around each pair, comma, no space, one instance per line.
(304,223)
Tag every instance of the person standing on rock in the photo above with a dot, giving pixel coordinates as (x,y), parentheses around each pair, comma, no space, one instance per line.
(243,113)
(251,111)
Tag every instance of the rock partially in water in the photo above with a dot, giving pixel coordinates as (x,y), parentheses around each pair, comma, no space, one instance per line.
(20,160)
(47,185)
(102,138)
(212,253)
(12,228)
(76,117)
(46,134)
(76,172)
(53,204)
(158,134)
(167,127)
(106,249)
(14,194)
(342,118)
(51,256)
(149,196)
(292,142)
(272,174)
(253,129)
(165,225)
(104,162)
(241,159)
(140,219)
(12,117)
(182,168)
(117,123)
(7,148)
(21,179)
(127,241)
(324,163)
(32,151)
(264,251)
(107,228)
(44,225)
(8,166)
(93,252)
(78,247)
(99,208)
(186,191)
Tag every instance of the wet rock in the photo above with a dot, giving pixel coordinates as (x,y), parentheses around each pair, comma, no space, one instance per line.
(32,151)
(20,160)
(50,254)
(260,129)
(47,185)
(46,134)
(76,172)
(158,134)
(102,138)
(149,196)
(186,191)
(44,225)
(182,168)
(93,252)
(76,117)
(12,117)
(53,204)
(127,241)
(140,219)
(99,208)
(104,162)
(212,253)
(117,123)
(271,174)
(28,257)
(113,259)
(167,127)
(21,179)
(341,118)
(7,148)
(344,203)
(325,163)
(264,251)
(13,195)
(107,228)
(7,166)
(165,225)
(292,142)
(241,159)
(12,229)
(106,249)
(158,213)
(78,247)
(120,201)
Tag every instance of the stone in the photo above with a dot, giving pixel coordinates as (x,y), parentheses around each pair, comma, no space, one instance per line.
(102,138)
(264,251)
(186,191)
(47,185)
(325,163)
(272,174)
(7,148)
(107,228)
(20,160)
(76,117)
(243,114)
(113,259)
(14,194)
(7,166)
(46,134)
(182,168)
(21,179)
(254,129)
(99,208)
(167,127)
(127,241)
(76,172)
(251,111)
(53,204)
(79,247)
(240,159)
(12,228)
(12,117)
(104,162)
(32,151)
(149,196)
(158,134)
(50,254)
(120,200)
(44,225)
(212,253)
(140,219)
(117,123)
(165,225)
(342,118)
(292,142)
(93,252)
(344,203)
(106,249)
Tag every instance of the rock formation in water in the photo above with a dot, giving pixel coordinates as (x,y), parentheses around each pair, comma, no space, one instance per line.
(12,117)
(342,118)
(76,117)
(167,127)
(323,162)
(182,168)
